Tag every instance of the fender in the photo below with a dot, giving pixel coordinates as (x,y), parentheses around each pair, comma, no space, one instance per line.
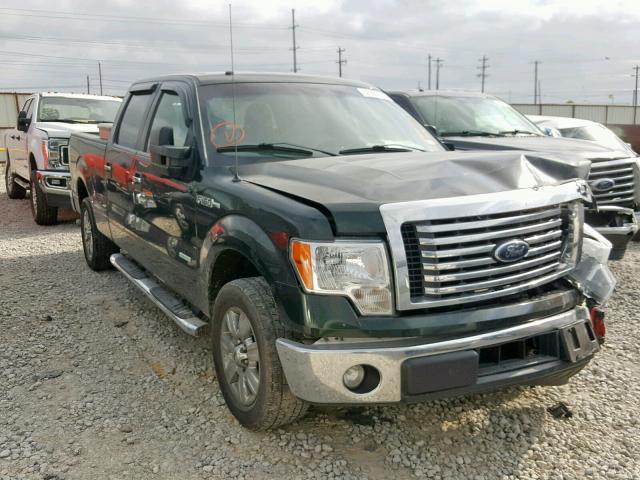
(268,252)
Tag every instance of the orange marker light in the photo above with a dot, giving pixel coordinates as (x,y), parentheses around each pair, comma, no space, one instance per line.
(301,255)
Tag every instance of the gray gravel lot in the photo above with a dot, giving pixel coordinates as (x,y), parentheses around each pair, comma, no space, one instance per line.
(95,383)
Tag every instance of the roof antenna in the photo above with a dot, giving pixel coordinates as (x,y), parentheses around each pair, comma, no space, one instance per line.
(233,100)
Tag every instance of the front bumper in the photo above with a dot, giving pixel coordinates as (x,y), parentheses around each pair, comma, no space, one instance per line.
(56,186)
(411,369)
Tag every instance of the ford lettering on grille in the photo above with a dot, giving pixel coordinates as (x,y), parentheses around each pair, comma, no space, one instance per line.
(511,251)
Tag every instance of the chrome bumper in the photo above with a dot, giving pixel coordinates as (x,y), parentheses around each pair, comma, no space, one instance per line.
(315,372)
(54,183)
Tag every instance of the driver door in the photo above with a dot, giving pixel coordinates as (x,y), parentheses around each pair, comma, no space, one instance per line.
(163,198)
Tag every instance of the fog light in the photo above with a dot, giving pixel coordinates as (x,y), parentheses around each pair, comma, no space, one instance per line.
(353,377)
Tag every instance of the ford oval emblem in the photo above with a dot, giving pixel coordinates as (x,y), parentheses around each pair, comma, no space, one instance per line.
(511,251)
(603,184)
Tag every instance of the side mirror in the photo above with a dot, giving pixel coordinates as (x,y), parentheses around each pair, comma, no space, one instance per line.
(166,158)
(23,122)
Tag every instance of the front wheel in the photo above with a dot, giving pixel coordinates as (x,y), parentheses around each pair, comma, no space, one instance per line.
(43,214)
(246,324)
(97,247)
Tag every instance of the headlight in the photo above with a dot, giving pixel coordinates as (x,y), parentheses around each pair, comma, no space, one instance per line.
(52,152)
(359,271)
(574,224)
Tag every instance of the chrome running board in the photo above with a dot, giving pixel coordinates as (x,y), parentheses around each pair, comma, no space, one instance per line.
(165,300)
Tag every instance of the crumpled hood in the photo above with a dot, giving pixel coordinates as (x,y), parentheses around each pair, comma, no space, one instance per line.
(569,146)
(353,187)
(64,130)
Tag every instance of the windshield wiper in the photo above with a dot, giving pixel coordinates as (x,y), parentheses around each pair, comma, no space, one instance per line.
(261,147)
(516,132)
(471,133)
(380,148)
(65,120)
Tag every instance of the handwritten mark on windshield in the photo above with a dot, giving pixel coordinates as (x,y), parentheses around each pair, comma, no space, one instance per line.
(226,134)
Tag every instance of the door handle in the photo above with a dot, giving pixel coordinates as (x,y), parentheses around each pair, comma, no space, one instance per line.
(107,167)
(18,138)
(13,137)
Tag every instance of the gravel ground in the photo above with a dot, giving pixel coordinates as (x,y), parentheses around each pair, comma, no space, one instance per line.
(95,383)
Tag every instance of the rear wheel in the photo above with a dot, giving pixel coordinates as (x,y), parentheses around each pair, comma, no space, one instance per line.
(97,247)
(43,214)
(246,324)
(14,191)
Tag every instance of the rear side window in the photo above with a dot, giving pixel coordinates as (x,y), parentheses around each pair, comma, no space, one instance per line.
(133,120)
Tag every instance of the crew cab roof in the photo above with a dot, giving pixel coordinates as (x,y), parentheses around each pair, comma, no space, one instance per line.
(78,95)
(441,93)
(254,77)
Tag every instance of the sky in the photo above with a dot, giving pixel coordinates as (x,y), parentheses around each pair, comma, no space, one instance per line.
(586,48)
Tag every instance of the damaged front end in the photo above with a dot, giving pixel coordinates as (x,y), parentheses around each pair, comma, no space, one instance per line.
(592,275)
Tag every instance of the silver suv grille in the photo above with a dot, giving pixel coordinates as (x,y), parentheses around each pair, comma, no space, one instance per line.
(621,172)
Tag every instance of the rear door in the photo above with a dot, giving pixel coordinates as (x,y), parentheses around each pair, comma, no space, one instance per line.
(163,200)
(121,164)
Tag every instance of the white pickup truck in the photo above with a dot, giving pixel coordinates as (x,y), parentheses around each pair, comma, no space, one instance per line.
(37,149)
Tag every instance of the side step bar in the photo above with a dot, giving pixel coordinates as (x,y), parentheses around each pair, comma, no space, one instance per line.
(166,301)
(22,183)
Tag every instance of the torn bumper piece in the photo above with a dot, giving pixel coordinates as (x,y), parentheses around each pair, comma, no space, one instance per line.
(592,275)
(616,224)
(543,351)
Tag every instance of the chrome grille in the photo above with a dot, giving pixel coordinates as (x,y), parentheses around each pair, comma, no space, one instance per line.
(621,172)
(451,261)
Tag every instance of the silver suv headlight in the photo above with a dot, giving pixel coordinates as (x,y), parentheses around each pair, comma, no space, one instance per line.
(358,270)
(53,150)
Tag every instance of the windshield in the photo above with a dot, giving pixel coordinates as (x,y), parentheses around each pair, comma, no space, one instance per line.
(299,120)
(472,116)
(595,133)
(77,110)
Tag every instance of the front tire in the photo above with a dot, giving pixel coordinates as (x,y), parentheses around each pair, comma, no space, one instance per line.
(43,214)
(14,191)
(246,324)
(97,247)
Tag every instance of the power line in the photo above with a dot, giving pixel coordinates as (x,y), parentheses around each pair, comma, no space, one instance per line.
(340,61)
(483,71)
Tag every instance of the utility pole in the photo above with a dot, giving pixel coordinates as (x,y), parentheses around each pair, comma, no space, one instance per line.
(635,96)
(88,88)
(429,72)
(100,75)
(439,63)
(295,47)
(340,61)
(535,82)
(483,70)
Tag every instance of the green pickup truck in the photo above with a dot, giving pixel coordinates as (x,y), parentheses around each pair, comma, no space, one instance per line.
(333,249)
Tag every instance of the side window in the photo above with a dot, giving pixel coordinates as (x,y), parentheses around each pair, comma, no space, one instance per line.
(168,114)
(132,120)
